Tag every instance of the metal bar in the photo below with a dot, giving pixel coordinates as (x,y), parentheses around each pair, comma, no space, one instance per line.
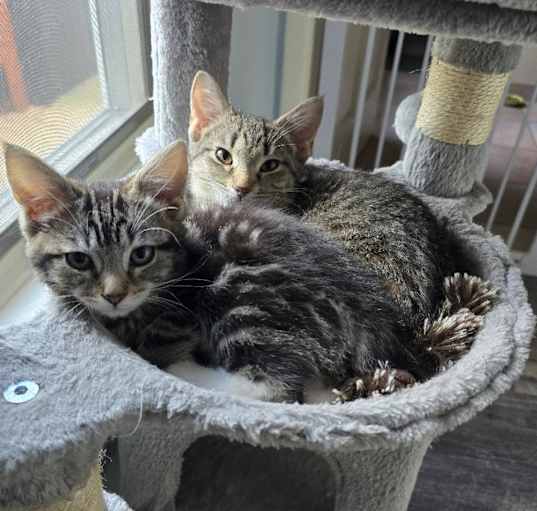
(362,94)
(495,123)
(278,67)
(389,99)
(509,168)
(425,63)
(528,265)
(522,208)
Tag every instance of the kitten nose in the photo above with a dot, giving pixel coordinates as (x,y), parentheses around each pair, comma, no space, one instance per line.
(241,191)
(114,298)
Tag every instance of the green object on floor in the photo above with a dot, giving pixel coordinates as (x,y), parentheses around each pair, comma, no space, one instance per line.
(515,101)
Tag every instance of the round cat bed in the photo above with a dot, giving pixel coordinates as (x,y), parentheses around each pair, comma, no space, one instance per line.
(175,441)
(91,389)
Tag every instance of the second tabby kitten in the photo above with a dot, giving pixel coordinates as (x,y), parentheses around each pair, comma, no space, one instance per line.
(252,292)
(237,156)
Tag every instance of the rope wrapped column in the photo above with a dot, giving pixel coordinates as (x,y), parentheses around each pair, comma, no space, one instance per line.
(447,148)
(186,36)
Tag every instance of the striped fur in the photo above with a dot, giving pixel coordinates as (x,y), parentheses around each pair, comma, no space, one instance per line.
(284,305)
(253,292)
(388,230)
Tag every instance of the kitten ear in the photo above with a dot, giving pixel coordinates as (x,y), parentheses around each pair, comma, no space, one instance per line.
(302,123)
(207,103)
(164,176)
(41,191)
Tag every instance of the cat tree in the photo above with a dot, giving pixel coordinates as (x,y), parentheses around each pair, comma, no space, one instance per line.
(81,390)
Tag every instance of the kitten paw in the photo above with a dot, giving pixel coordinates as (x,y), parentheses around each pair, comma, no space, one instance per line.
(383,380)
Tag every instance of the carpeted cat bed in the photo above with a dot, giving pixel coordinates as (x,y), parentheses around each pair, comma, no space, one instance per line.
(65,389)
(360,455)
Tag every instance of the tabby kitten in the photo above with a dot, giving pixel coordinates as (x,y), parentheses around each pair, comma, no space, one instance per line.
(241,157)
(108,249)
(253,292)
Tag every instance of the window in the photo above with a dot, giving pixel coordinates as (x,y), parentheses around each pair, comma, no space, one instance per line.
(72,73)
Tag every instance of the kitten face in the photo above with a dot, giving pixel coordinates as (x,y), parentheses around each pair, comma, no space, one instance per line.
(105,259)
(234,155)
(241,155)
(109,247)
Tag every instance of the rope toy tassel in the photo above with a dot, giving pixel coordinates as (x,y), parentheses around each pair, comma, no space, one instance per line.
(458,105)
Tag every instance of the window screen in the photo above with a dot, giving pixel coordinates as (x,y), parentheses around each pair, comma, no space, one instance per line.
(71,72)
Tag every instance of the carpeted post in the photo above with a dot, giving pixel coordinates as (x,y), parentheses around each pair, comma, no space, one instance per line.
(185,36)
(384,478)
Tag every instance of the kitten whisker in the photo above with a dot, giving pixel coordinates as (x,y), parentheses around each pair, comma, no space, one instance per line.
(302,191)
(179,303)
(66,222)
(287,144)
(76,225)
(80,312)
(65,296)
(211,182)
(149,202)
(181,286)
(164,230)
(169,304)
(176,284)
(181,279)
(187,274)
(287,128)
(98,322)
(73,309)
(142,222)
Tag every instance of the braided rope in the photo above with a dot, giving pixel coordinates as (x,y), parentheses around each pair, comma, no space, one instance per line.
(458,105)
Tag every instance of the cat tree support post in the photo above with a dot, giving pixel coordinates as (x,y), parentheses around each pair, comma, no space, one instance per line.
(197,36)
(447,147)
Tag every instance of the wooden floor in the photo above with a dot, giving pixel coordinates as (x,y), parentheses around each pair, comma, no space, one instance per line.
(490,463)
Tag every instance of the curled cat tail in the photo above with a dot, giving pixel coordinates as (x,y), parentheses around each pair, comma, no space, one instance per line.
(447,338)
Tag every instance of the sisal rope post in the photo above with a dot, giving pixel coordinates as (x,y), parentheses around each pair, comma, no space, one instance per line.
(447,145)
(459,105)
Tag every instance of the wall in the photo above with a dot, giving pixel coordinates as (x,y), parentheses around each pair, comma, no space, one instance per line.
(526,71)
(255,62)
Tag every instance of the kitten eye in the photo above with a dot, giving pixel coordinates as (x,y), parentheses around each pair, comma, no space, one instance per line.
(269,166)
(79,261)
(223,156)
(142,255)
